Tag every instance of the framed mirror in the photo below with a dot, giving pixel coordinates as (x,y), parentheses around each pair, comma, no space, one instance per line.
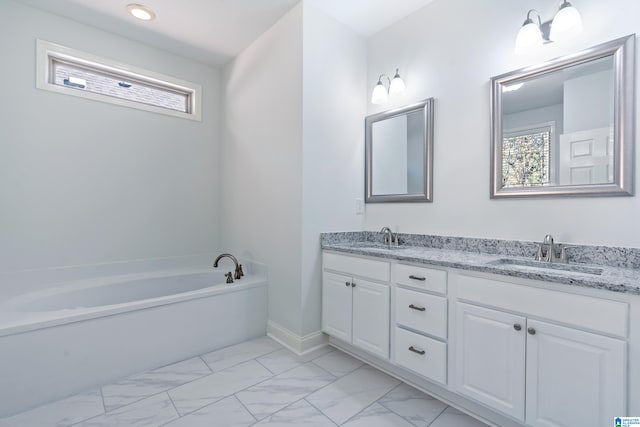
(399,154)
(566,127)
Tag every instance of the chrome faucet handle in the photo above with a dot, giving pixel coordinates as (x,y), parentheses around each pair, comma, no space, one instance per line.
(551,250)
(563,253)
(229,277)
(539,254)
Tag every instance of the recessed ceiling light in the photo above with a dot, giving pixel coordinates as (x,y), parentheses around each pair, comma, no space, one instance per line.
(141,11)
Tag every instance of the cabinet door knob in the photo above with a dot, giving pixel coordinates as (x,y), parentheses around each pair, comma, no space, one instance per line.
(531,331)
(517,327)
(417,308)
(353,284)
(347,283)
(415,350)
(422,279)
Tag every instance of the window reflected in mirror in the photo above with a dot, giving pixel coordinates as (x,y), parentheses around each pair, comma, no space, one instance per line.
(565,127)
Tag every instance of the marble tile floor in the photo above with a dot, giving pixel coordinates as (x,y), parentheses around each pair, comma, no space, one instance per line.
(257,382)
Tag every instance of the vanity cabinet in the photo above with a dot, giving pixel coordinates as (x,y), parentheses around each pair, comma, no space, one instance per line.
(355,302)
(420,316)
(513,351)
(533,370)
(490,358)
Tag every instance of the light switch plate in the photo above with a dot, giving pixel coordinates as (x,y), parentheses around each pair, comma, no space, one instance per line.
(359,207)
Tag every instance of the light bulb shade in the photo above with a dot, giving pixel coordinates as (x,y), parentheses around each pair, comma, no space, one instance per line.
(397,86)
(379,95)
(529,37)
(567,23)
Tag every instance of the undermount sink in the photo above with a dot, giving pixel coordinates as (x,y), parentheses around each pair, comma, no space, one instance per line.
(376,245)
(540,265)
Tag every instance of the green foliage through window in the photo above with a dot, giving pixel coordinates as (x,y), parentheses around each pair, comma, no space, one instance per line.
(525,159)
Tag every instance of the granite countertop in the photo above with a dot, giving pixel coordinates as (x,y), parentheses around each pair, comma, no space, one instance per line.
(614,278)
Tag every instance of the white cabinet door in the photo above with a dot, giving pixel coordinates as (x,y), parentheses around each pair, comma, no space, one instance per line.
(574,378)
(337,305)
(371,317)
(490,358)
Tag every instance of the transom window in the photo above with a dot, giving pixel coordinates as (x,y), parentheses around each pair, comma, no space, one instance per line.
(72,72)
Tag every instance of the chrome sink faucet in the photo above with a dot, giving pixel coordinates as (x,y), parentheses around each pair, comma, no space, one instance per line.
(550,256)
(238,273)
(389,237)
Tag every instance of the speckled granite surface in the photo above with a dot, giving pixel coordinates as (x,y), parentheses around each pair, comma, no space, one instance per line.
(600,267)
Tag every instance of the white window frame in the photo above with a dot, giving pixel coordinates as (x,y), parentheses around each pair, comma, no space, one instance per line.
(47,52)
(554,153)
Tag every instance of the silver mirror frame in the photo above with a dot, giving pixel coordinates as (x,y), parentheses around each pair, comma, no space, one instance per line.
(426,106)
(623,52)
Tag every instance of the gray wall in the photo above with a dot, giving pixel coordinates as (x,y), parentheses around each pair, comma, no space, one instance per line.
(85,182)
(437,58)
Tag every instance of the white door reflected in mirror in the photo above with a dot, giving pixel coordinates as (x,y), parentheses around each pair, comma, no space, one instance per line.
(566,127)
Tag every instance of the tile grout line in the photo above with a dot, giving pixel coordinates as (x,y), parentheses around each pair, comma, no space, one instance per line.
(318,409)
(104,405)
(244,406)
(174,406)
(273,376)
(337,376)
(262,364)
(236,364)
(205,363)
(233,394)
(441,412)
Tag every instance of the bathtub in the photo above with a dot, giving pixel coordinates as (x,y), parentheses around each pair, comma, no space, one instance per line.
(68,338)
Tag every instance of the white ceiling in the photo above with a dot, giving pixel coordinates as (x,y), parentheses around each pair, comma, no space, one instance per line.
(215,31)
(367,17)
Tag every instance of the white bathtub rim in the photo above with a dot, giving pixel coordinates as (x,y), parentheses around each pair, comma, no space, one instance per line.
(13,321)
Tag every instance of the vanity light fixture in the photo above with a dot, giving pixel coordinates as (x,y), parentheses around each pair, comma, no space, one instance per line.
(530,35)
(566,23)
(381,94)
(141,11)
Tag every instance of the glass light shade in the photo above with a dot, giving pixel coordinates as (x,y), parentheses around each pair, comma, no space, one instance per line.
(397,86)
(529,37)
(566,23)
(379,95)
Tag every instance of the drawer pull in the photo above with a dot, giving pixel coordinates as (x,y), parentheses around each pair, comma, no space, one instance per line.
(531,331)
(422,279)
(517,327)
(421,352)
(347,283)
(353,284)
(417,308)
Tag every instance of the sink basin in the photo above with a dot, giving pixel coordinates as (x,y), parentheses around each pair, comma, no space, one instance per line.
(375,245)
(540,265)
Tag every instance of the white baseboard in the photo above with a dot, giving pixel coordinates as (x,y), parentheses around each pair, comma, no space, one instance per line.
(294,342)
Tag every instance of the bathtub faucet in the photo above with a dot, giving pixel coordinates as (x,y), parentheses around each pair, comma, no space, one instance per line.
(239,273)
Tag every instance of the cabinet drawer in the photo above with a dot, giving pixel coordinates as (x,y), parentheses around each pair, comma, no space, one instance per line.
(431,364)
(428,279)
(422,312)
(372,269)
(601,315)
